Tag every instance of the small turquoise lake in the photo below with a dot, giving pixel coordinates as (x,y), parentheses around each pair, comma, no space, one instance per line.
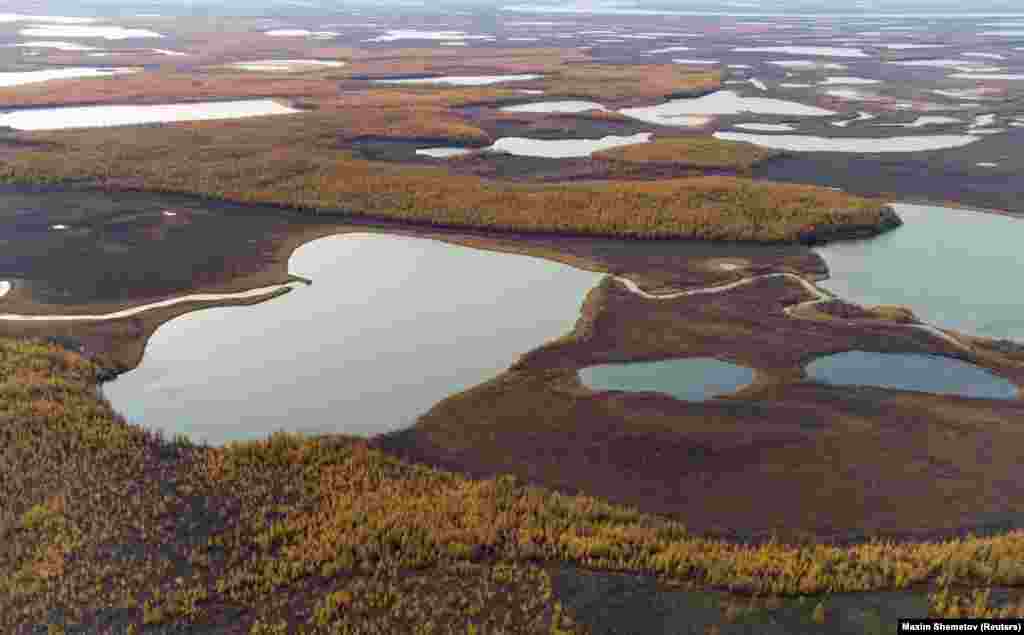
(694,379)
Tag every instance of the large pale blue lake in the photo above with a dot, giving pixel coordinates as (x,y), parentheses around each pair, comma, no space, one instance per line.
(390,326)
(956,269)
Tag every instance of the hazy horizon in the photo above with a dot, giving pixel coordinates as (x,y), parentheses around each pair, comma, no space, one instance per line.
(739,8)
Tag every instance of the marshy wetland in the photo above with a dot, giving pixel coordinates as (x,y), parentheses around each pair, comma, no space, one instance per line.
(636,365)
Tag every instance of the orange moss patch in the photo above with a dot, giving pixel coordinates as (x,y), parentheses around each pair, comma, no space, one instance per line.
(453,61)
(703,152)
(418,97)
(160,87)
(329,534)
(367,506)
(600,115)
(627,83)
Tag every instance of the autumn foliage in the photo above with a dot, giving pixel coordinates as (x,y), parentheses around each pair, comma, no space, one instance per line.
(628,82)
(353,538)
(701,152)
(296,160)
(158,87)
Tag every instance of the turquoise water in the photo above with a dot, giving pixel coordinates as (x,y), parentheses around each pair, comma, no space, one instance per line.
(956,269)
(695,379)
(390,326)
(901,371)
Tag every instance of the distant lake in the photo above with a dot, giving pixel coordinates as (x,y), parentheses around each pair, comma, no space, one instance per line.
(548,148)
(127,115)
(955,268)
(443,152)
(564,148)
(286,65)
(390,326)
(901,371)
(862,145)
(11,78)
(696,111)
(694,379)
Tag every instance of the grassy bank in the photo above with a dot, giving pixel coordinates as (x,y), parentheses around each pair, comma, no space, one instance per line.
(627,82)
(303,160)
(701,152)
(102,522)
(158,87)
(296,161)
(562,74)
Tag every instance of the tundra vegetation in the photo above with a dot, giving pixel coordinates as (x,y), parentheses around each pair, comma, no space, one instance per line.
(303,160)
(560,77)
(103,522)
(700,152)
(627,83)
(299,161)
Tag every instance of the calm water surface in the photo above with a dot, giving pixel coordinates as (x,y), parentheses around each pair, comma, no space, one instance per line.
(863,145)
(443,152)
(126,115)
(901,371)
(694,379)
(955,268)
(10,78)
(723,102)
(390,326)
(564,148)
